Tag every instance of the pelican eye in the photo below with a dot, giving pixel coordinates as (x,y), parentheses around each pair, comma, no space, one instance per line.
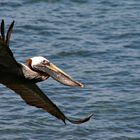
(45,62)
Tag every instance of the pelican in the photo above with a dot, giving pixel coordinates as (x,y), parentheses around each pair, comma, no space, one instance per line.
(22,78)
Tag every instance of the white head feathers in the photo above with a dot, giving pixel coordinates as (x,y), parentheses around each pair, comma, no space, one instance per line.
(37,60)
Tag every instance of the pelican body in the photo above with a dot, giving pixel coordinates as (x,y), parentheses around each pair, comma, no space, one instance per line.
(22,78)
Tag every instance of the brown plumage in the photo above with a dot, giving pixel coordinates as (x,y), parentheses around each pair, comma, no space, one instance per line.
(22,78)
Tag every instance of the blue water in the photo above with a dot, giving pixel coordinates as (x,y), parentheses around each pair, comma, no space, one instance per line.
(95,41)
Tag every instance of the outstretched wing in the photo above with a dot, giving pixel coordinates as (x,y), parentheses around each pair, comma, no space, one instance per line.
(7,60)
(28,90)
(32,95)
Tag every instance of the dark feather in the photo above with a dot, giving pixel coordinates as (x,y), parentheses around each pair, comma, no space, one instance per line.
(11,75)
(33,96)
(2,30)
(9,32)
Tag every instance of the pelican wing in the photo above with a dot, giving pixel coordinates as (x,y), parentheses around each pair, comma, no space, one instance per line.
(29,91)
(32,95)
(7,60)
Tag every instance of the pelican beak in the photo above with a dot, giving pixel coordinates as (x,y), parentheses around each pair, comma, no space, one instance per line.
(60,75)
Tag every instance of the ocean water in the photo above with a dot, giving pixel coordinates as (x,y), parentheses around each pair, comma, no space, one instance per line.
(95,41)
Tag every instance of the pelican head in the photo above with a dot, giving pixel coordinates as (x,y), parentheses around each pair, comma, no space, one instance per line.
(41,64)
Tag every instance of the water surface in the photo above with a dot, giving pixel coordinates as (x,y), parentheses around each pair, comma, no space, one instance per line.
(97,42)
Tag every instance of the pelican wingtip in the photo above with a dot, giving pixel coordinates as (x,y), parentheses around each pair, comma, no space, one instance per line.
(80,121)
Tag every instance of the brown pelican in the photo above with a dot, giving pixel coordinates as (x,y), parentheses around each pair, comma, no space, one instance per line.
(22,78)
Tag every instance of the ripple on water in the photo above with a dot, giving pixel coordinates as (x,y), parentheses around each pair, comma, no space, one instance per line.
(97,42)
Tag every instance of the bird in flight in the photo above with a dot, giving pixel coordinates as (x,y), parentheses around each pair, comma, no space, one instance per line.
(22,78)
